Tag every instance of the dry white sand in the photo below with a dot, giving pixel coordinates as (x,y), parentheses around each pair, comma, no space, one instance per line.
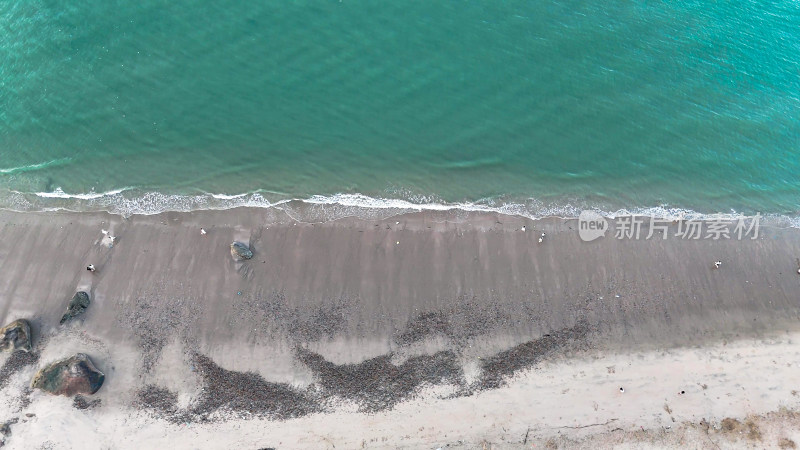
(575,399)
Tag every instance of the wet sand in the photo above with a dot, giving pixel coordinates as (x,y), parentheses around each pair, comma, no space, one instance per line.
(367,314)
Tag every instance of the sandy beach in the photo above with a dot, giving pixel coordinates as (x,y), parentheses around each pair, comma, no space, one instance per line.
(420,330)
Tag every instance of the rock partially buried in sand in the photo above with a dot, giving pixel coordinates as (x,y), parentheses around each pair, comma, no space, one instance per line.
(16,336)
(78,304)
(240,252)
(71,376)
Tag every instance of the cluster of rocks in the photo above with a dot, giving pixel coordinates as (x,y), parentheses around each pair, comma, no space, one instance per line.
(16,338)
(70,376)
(74,376)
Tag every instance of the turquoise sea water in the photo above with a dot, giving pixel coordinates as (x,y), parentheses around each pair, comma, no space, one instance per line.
(549,104)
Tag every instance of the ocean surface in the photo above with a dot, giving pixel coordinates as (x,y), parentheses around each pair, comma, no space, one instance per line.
(534,107)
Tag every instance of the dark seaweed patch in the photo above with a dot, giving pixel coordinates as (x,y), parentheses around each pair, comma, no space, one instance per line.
(377,383)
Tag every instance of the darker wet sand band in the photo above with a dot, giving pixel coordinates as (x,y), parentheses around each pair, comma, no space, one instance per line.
(458,277)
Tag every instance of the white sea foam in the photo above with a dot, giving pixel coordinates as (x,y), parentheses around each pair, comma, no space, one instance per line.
(228,197)
(319,208)
(32,167)
(59,193)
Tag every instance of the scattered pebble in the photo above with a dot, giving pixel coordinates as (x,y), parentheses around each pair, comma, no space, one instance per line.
(378,384)
(81,402)
(375,384)
(16,362)
(238,392)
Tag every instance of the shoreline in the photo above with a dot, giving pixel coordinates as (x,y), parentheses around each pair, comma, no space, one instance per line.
(326,208)
(469,293)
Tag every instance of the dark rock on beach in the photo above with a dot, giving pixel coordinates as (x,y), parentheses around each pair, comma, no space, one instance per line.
(240,252)
(80,301)
(71,376)
(16,336)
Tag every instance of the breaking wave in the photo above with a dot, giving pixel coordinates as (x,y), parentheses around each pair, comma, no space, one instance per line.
(321,208)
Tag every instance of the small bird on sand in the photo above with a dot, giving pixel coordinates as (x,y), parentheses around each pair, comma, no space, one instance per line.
(717,264)
(105,232)
(202,231)
(523,228)
(90,268)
